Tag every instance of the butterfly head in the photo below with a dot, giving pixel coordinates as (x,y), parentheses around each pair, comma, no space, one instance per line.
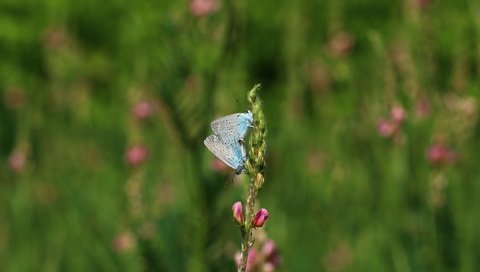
(239,170)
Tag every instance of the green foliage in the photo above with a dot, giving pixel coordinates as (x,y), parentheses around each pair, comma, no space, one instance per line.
(341,196)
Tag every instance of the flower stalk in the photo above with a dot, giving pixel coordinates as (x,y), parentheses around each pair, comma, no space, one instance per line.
(255,167)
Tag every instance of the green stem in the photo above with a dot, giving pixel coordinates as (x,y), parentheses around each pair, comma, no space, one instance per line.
(254,168)
(246,229)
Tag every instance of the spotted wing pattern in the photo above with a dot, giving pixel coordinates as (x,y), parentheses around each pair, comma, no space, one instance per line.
(231,152)
(236,125)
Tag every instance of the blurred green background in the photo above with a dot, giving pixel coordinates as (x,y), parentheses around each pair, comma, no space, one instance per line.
(373,133)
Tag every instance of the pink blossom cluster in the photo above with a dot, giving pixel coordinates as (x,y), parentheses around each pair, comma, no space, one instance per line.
(201,8)
(143,109)
(439,154)
(391,126)
(267,259)
(136,155)
(258,220)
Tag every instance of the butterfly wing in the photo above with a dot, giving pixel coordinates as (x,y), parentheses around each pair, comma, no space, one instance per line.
(240,155)
(234,124)
(221,150)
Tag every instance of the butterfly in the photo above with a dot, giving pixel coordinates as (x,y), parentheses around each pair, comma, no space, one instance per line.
(229,150)
(235,125)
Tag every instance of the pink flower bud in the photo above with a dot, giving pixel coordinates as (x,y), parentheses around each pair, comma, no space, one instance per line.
(17,160)
(271,255)
(251,259)
(341,44)
(124,241)
(268,267)
(398,114)
(439,154)
(269,248)
(386,128)
(136,155)
(203,7)
(143,109)
(260,218)
(237,212)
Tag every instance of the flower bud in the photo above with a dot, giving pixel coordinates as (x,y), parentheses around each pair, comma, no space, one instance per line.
(124,241)
(251,259)
(237,212)
(398,114)
(260,218)
(386,128)
(440,154)
(341,44)
(143,109)
(271,255)
(136,155)
(17,160)
(203,7)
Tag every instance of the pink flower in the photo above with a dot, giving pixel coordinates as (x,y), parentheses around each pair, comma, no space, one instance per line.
(271,255)
(341,44)
(136,155)
(123,242)
(203,7)
(17,160)
(260,218)
(439,154)
(143,109)
(386,128)
(398,114)
(237,212)
(389,127)
(251,259)
(268,267)
(269,248)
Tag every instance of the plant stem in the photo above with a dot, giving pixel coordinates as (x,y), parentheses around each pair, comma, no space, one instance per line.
(246,229)
(254,168)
